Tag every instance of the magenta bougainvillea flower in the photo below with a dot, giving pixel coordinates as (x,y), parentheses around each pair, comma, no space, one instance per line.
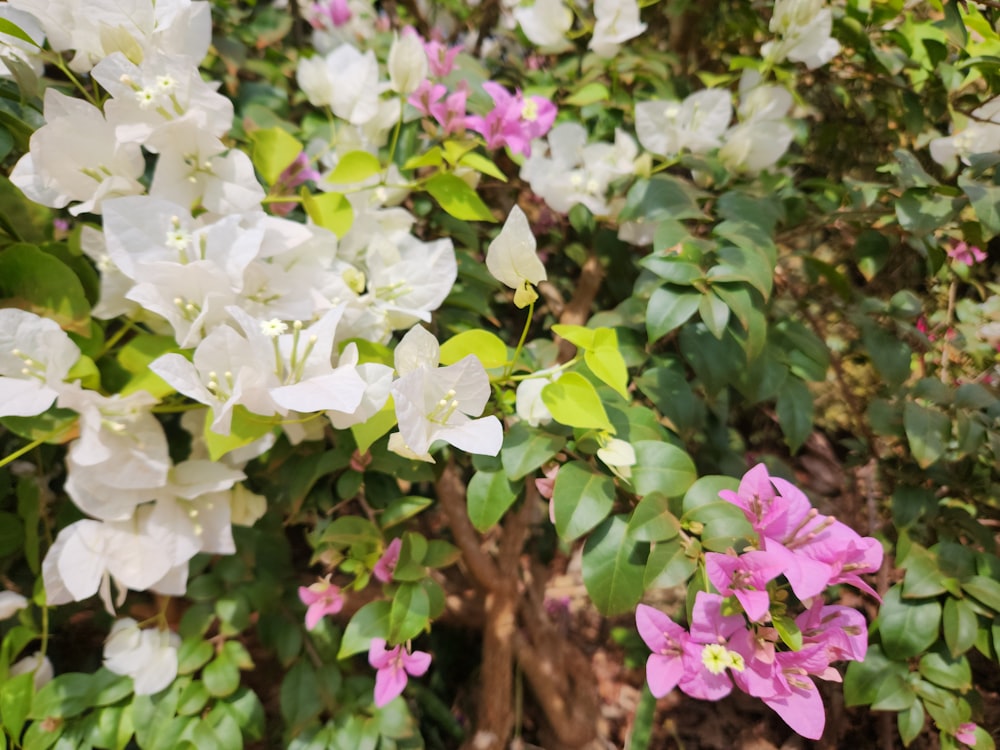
(321,599)
(394,665)
(440,57)
(386,564)
(733,637)
(962,252)
(514,120)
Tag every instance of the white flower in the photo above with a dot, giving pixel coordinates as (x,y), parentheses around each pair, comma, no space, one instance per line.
(407,278)
(36,663)
(529,404)
(512,259)
(617,22)
(696,124)
(618,455)
(804,28)
(35,357)
(76,157)
(980,136)
(438,403)
(346,80)
(545,23)
(407,63)
(11,603)
(763,136)
(148,656)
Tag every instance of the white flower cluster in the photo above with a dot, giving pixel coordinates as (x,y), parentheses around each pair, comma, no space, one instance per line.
(265,303)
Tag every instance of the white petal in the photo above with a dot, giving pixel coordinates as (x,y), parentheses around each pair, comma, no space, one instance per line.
(511,257)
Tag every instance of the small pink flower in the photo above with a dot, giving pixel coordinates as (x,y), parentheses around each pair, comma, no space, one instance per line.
(967,254)
(386,564)
(393,666)
(967,733)
(333,13)
(295,174)
(426,94)
(441,58)
(514,121)
(450,113)
(321,599)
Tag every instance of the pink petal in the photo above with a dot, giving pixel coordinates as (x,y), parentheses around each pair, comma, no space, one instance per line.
(380,657)
(802,710)
(314,614)
(416,663)
(663,673)
(389,683)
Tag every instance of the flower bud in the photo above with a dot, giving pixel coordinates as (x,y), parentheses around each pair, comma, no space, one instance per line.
(407,63)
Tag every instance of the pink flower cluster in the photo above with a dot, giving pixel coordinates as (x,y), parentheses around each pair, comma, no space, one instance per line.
(733,639)
(963,252)
(514,121)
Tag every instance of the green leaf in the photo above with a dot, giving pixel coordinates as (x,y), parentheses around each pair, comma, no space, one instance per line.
(668,565)
(864,679)
(193,699)
(300,697)
(669,307)
(221,675)
(12,29)
(652,521)
(430,158)
(63,697)
(795,413)
(788,631)
(38,282)
(403,509)
(410,566)
(612,568)
(911,722)
(274,150)
(193,654)
(457,198)
(487,347)
(15,698)
(579,336)
(481,164)
(346,531)
(574,401)
(662,467)
(928,430)
(136,356)
(922,210)
(960,624)
(605,360)
(661,197)
(490,495)
(907,628)
(670,392)
(590,93)
(354,166)
(985,590)
(527,448)
(890,354)
(371,621)
(409,613)
(377,425)
(985,200)
(923,575)
(746,264)
(245,428)
(951,673)
(329,210)
(582,498)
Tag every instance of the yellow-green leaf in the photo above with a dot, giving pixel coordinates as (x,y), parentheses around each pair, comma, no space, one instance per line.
(457,198)
(574,401)
(245,428)
(488,348)
(330,210)
(355,166)
(274,149)
(605,360)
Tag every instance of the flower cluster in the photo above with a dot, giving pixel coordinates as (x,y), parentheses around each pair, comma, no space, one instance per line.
(745,633)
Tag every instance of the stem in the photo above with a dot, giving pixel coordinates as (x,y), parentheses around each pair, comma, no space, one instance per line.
(26,449)
(395,136)
(109,344)
(520,344)
(61,64)
(952,292)
(549,372)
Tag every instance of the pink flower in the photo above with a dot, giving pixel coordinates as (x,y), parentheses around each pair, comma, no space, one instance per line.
(441,58)
(967,733)
(332,12)
(393,666)
(746,577)
(321,599)
(296,173)
(514,121)
(666,639)
(386,564)
(967,254)
(426,94)
(450,113)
